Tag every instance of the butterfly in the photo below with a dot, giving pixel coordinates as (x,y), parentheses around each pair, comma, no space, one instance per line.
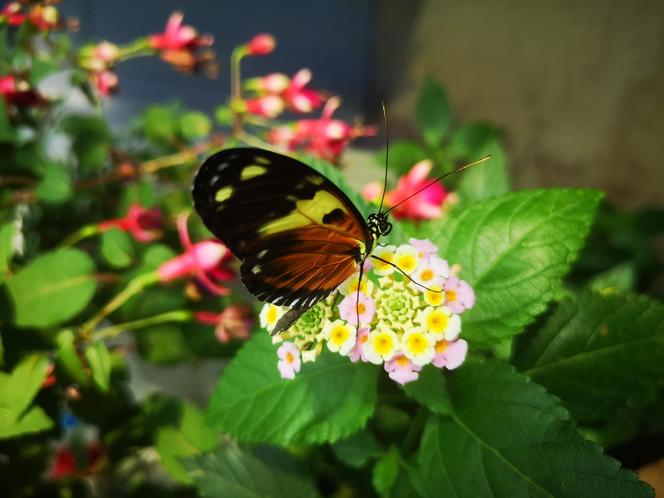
(297,235)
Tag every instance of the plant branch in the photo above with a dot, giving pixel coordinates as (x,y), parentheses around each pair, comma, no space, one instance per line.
(114,330)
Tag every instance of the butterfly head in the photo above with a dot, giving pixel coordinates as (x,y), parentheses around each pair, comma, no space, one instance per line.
(378,225)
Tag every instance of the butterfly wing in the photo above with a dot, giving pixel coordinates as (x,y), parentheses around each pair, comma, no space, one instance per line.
(297,234)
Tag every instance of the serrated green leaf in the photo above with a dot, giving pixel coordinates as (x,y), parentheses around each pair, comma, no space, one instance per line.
(433,112)
(55,186)
(328,399)
(195,125)
(514,250)
(53,288)
(117,248)
(244,474)
(599,354)
(430,390)
(99,361)
(192,436)
(68,357)
(357,449)
(385,471)
(509,437)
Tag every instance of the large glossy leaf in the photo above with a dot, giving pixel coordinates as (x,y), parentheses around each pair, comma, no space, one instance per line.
(514,250)
(509,437)
(249,474)
(53,288)
(598,353)
(327,400)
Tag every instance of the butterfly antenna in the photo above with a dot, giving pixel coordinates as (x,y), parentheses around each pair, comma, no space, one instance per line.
(405,274)
(387,153)
(459,170)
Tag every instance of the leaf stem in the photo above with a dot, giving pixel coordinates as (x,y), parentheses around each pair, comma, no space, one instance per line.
(82,233)
(114,330)
(236,88)
(134,287)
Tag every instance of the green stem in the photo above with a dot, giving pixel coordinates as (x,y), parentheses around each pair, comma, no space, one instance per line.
(170,316)
(80,234)
(236,88)
(411,441)
(133,288)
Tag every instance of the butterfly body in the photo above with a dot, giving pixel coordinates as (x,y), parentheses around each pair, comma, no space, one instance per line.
(298,236)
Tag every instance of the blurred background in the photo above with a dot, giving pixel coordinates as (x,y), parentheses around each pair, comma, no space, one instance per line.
(577,88)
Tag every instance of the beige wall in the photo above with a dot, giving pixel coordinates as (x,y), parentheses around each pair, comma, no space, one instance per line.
(577,87)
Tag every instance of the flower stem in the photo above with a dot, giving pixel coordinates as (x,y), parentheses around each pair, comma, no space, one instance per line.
(236,88)
(134,287)
(80,234)
(114,330)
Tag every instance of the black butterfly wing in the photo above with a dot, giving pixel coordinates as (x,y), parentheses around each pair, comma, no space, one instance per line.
(297,234)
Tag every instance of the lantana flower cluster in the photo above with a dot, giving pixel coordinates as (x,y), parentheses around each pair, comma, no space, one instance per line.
(405,321)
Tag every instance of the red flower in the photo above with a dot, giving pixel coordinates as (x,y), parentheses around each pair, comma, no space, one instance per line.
(261,44)
(298,97)
(178,43)
(63,463)
(234,321)
(325,137)
(274,83)
(269,106)
(143,224)
(203,261)
(426,205)
(105,81)
(12,14)
(99,60)
(18,92)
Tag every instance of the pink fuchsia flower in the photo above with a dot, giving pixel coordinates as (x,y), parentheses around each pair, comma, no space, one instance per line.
(203,261)
(357,353)
(459,295)
(18,92)
(298,97)
(402,370)
(261,44)
(289,360)
(178,43)
(426,205)
(235,321)
(105,81)
(142,223)
(349,311)
(450,354)
(13,14)
(325,137)
(274,83)
(269,106)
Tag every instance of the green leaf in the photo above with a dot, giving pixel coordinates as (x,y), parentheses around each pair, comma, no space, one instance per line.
(433,112)
(243,474)
(192,436)
(514,250)
(385,471)
(195,125)
(35,420)
(487,180)
(116,248)
(163,344)
(404,154)
(99,360)
(7,231)
(430,390)
(223,115)
(620,278)
(509,437)
(53,288)
(599,354)
(25,381)
(7,132)
(357,449)
(328,399)
(91,139)
(55,186)
(68,357)
(160,123)
(2,351)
